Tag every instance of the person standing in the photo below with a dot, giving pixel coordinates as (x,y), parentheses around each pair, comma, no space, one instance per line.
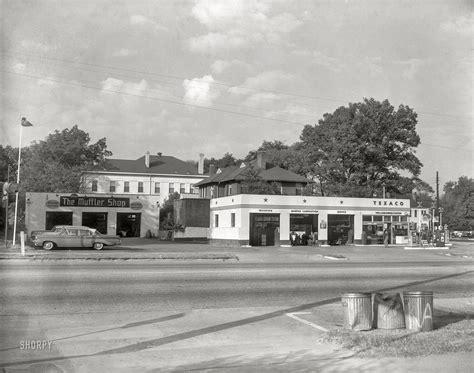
(385,237)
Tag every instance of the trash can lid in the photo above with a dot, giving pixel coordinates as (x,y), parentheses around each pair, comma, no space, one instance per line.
(417,293)
(356,295)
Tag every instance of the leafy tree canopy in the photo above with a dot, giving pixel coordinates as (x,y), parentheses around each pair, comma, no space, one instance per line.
(254,184)
(458,204)
(227,160)
(55,164)
(358,149)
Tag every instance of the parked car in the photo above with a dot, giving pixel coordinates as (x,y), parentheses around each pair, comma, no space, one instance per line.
(73,236)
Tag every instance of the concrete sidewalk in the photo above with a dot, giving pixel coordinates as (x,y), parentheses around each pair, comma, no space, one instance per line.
(153,249)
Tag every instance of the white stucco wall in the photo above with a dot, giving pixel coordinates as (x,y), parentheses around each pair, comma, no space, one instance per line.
(104,179)
(36,208)
(245,204)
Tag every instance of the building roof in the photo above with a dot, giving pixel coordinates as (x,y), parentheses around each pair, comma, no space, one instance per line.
(237,173)
(163,165)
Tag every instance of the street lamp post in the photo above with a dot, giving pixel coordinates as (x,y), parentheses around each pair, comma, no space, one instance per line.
(24,123)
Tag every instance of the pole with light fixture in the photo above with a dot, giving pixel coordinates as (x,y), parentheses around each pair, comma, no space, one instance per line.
(24,123)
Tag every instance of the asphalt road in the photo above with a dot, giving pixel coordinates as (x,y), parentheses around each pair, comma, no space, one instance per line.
(33,289)
(67,302)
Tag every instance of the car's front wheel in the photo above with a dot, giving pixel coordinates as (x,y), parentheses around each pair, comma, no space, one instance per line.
(48,245)
(98,245)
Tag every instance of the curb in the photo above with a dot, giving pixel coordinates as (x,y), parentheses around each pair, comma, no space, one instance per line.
(158,257)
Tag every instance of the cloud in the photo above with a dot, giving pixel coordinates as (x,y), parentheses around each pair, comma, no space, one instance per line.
(268,80)
(221,66)
(200,91)
(410,67)
(261,99)
(321,59)
(461,25)
(239,23)
(142,21)
(124,52)
(117,85)
(19,67)
(36,46)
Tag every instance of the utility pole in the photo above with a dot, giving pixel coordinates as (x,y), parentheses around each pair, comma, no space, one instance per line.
(437,197)
(6,209)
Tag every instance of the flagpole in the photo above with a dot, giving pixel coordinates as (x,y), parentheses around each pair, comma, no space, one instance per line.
(18,182)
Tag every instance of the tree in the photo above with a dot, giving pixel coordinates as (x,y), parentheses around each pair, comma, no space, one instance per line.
(56,163)
(458,204)
(254,184)
(227,160)
(279,154)
(166,211)
(358,149)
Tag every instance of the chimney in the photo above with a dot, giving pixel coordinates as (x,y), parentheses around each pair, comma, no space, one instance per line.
(211,170)
(201,164)
(147,159)
(261,160)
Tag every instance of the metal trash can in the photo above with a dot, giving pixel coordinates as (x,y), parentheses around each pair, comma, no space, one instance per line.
(357,311)
(388,311)
(418,310)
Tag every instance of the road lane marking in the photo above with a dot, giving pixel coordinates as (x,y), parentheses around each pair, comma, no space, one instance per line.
(292,315)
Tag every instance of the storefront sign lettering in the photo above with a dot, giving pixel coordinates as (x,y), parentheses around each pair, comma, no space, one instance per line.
(303,211)
(388,203)
(341,212)
(265,210)
(94,202)
(388,213)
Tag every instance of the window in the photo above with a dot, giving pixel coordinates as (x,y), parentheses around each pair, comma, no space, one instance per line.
(171,188)
(216,220)
(112,186)
(366,218)
(229,190)
(182,188)
(140,187)
(157,188)
(232,219)
(416,213)
(94,185)
(126,187)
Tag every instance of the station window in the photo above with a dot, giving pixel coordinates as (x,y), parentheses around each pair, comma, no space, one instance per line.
(403,218)
(232,219)
(182,188)
(112,186)
(171,188)
(377,218)
(157,188)
(140,187)
(216,220)
(366,218)
(94,185)
(126,187)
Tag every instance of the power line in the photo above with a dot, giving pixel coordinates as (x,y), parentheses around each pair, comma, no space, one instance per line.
(217,83)
(174,95)
(157,99)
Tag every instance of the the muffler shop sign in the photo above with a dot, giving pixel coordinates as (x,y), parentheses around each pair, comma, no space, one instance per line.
(94,202)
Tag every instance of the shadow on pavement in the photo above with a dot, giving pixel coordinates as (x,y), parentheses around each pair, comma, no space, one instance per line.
(140,346)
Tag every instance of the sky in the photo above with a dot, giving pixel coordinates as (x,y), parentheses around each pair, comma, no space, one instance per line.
(208,76)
